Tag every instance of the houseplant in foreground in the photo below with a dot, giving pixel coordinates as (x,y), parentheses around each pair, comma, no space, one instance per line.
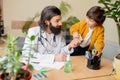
(10,65)
(117,66)
(112,10)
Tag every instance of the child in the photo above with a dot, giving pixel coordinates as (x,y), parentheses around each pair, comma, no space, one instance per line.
(90,31)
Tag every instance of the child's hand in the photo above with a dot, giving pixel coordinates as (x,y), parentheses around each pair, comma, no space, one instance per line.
(76,35)
(74,43)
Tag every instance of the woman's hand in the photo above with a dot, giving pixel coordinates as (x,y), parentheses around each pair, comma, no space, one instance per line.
(60,57)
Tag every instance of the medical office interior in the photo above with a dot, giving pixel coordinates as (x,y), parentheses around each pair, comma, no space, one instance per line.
(20,10)
(14,14)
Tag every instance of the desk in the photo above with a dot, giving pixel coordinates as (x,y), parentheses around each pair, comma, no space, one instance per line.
(81,72)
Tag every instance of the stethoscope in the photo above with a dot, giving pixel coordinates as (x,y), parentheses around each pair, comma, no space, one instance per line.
(41,38)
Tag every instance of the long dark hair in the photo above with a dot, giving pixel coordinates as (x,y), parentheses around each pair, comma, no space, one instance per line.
(97,14)
(46,14)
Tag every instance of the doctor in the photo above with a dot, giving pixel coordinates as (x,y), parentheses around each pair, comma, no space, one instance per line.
(49,43)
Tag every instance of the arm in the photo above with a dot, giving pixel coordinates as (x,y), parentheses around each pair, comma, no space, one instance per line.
(77,29)
(68,49)
(74,28)
(100,40)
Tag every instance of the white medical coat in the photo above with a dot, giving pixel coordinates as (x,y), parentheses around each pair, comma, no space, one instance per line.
(45,52)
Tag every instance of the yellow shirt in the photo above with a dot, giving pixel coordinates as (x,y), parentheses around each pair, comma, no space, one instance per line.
(97,37)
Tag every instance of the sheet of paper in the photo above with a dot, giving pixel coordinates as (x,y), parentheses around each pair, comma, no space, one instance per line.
(40,65)
(36,66)
(55,65)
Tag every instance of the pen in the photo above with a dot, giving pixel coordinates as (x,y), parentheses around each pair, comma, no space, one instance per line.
(44,75)
(39,75)
(90,56)
(35,77)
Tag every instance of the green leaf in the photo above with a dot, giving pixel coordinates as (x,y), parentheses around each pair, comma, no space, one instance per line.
(30,67)
(17,67)
(115,13)
(104,1)
(17,55)
(70,21)
(108,0)
(64,8)
(32,37)
(28,23)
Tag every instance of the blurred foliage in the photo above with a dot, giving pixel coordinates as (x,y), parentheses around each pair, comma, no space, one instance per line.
(70,21)
(65,8)
(29,22)
(112,10)
(10,62)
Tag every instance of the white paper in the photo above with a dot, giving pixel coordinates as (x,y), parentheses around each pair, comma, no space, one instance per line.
(55,65)
(36,66)
(40,65)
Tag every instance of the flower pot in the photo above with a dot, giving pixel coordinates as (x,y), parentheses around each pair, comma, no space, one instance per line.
(117,66)
(27,78)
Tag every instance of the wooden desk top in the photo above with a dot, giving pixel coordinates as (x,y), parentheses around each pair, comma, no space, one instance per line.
(81,72)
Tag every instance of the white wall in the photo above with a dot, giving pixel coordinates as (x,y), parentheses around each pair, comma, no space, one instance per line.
(1,7)
(23,9)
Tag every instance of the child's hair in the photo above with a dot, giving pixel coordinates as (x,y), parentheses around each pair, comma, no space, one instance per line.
(97,14)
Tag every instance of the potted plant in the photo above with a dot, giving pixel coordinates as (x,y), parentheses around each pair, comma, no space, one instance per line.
(117,66)
(112,10)
(10,65)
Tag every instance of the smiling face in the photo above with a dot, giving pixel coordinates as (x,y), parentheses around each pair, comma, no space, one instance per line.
(91,23)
